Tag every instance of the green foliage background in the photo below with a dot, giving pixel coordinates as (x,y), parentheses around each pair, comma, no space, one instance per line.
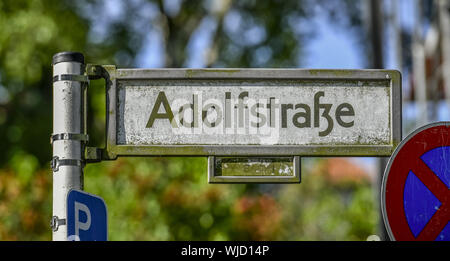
(159,198)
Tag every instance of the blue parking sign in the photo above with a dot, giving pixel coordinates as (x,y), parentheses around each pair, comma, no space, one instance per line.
(87,218)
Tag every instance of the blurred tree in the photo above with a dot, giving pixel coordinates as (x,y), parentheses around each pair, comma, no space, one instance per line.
(30,32)
(337,203)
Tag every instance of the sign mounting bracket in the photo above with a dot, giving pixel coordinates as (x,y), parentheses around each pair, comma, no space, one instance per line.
(95,72)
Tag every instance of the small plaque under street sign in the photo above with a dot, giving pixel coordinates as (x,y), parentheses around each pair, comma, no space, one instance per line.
(253,112)
(254,169)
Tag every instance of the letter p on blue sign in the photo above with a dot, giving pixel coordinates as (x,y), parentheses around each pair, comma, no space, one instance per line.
(87,218)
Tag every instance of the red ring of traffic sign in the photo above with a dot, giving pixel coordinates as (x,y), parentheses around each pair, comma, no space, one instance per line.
(406,159)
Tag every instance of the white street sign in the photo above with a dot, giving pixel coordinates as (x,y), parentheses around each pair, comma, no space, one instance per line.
(253,112)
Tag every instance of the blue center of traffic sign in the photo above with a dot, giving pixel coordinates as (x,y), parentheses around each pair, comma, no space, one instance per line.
(419,202)
(86,217)
(438,161)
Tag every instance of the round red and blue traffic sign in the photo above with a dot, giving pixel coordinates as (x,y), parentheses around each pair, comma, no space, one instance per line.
(415,193)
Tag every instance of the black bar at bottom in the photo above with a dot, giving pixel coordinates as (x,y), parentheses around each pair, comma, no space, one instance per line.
(232,250)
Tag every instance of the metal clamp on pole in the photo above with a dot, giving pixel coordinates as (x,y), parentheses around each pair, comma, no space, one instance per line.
(70,77)
(55,222)
(56,163)
(69,136)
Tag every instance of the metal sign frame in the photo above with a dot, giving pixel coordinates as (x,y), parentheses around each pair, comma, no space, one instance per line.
(114,76)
